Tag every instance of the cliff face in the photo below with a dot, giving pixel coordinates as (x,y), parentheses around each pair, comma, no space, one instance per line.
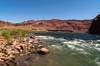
(53,25)
(57,25)
(82,26)
(95,26)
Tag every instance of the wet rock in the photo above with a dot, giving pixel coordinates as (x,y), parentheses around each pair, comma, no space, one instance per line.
(43,51)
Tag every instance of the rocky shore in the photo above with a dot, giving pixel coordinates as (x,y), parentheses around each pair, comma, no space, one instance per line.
(19,47)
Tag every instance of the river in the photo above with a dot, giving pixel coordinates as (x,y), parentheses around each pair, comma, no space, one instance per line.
(69,49)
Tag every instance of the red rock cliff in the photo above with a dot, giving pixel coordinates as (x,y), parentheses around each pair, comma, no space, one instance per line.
(58,25)
(50,25)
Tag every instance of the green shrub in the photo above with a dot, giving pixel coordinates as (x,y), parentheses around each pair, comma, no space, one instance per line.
(6,35)
(13,33)
(18,32)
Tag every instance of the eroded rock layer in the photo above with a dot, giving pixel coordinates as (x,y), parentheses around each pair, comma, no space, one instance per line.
(50,25)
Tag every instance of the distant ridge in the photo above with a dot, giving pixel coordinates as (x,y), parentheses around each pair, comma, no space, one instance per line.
(49,25)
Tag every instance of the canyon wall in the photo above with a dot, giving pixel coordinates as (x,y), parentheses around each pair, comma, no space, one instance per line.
(57,25)
(53,25)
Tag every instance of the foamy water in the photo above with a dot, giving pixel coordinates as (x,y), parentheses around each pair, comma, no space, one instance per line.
(85,47)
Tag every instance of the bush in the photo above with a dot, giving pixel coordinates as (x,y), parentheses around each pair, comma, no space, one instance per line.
(13,33)
(6,35)
(18,32)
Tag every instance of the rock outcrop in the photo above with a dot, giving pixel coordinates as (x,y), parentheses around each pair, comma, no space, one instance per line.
(95,26)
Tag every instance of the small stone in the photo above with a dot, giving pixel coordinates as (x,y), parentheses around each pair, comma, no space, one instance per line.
(40,46)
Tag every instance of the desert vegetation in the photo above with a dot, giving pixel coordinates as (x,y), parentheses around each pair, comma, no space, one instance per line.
(8,34)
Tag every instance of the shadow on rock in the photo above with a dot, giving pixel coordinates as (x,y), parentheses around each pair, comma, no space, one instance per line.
(95,26)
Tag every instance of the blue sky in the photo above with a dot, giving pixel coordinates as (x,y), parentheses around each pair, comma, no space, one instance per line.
(21,10)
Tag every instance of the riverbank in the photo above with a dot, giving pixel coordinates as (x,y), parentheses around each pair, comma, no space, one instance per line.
(13,47)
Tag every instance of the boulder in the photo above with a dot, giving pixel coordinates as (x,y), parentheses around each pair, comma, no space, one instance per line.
(95,26)
(43,51)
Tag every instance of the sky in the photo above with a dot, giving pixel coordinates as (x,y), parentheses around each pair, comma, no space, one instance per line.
(22,10)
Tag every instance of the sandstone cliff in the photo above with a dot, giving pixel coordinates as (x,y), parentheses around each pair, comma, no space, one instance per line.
(50,25)
(57,25)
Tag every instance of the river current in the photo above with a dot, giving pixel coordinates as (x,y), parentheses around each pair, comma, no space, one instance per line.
(69,49)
